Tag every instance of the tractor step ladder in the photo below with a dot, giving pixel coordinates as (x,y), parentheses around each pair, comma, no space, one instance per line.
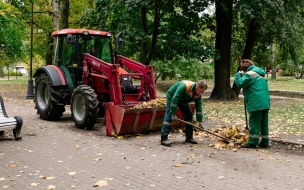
(6,123)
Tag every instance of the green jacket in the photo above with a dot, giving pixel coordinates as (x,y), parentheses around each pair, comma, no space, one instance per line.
(255,88)
(184,92)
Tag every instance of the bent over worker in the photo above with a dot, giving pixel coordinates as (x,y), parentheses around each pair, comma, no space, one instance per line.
(257,100)
(180,95)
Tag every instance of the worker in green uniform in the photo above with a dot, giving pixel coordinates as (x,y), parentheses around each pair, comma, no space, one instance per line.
(180,95)
(257,100)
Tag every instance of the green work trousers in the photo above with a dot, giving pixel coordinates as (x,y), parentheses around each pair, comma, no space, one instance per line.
(258,126)
(187,116)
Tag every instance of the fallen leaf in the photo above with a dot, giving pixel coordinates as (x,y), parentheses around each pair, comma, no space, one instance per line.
(72,173)
(51,187)
(5,187)
(178,165)
(178,177)
(34,184)
(221,177)
(76,147)
(2,179)
(97,159)
(50,178)
(13,166)
(101,183)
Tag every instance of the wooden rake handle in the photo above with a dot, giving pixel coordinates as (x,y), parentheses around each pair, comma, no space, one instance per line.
(188,123)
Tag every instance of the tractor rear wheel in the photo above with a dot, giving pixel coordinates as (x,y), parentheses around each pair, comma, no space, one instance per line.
(47,99)
(84,107)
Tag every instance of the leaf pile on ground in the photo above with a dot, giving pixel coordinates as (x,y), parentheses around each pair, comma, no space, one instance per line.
(237,136)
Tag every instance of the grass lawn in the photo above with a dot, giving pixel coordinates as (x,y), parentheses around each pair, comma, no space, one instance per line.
(286,115)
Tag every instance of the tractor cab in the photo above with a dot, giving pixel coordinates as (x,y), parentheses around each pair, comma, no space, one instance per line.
(72,44)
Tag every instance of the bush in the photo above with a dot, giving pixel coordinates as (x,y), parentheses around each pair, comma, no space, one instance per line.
(182,69)
(13,73)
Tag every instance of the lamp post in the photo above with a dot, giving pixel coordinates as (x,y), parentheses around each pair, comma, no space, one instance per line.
(30,88)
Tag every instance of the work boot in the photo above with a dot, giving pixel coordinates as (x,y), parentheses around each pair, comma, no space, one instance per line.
(263,146)
(165,141)
(192,141)
(248,146)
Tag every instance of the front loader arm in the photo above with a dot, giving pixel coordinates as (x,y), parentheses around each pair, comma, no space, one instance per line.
(147,71)
(94,68)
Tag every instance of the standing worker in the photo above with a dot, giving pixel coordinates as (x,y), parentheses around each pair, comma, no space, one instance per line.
(180,95)
(257,100)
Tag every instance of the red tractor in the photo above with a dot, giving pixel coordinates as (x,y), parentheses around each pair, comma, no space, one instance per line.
(89,75)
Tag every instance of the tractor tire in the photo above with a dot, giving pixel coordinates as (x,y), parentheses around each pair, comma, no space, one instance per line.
(47,99)
(84,107)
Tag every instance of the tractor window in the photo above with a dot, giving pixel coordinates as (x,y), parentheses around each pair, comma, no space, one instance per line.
(100,48)
(64,52)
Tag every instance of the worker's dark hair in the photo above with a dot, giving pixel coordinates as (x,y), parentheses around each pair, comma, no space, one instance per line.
(202,84)
(245,63)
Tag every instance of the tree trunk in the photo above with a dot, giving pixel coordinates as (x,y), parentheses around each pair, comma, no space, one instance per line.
(55,15)
(49,52)
(1,71)
(222,89)
(251,39)
(65,14)
(143,48)
(273,67)
(155,30)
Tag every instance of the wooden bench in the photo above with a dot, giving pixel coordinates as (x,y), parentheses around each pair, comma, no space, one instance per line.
(14,123)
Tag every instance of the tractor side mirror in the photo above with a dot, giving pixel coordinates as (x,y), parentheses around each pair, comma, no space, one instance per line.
(118,42)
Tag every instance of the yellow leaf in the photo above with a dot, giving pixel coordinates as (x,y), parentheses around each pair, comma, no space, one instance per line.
(34,184)
(51,187)
(49,178)
(2,179)
(178,165)
(72,173)
(13,165)
(101,183)
(5,187)
(221,177)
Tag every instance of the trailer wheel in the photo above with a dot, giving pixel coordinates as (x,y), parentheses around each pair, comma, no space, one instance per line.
(47,99)
(84,107)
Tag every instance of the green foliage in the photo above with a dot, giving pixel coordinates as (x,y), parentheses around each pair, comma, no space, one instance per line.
(13,73)
(12,32)
(182,69)
(178,32)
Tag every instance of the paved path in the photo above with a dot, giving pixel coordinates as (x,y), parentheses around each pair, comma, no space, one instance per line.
(57,154)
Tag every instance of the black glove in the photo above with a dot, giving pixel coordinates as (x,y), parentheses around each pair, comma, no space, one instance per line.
(174,117)
(201,126)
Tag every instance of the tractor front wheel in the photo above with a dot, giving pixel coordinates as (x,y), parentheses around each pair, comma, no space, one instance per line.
(84,107)
(47,99)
